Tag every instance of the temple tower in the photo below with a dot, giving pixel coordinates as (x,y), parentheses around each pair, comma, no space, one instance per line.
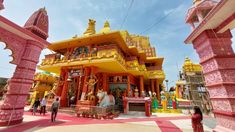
(211,22)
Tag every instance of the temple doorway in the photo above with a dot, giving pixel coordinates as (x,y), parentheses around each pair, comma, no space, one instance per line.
(118,91)
(73,84)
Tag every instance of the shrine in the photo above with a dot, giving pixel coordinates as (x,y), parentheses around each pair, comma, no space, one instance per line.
(212,22)
(114,62)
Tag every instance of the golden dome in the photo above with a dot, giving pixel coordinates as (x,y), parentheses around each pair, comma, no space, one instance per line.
(106,28)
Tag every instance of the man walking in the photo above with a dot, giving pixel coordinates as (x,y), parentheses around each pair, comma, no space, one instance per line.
(43,106)
(54,109)
(35,106)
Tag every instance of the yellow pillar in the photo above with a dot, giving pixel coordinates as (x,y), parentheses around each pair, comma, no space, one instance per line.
(33,97)
(45,93)
(177,91)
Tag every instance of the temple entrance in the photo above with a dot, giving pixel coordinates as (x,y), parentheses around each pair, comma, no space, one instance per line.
(72,91)
(118,91)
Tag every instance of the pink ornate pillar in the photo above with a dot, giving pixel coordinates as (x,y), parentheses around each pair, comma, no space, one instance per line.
(218,62)
(11,110)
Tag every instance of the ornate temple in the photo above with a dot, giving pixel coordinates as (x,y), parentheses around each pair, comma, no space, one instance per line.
(191,85)
(114,61)
(44,84)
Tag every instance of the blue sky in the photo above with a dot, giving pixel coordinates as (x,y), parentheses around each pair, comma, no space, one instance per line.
(67,18)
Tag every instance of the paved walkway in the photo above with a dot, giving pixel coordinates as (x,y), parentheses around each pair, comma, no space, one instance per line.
(124,123)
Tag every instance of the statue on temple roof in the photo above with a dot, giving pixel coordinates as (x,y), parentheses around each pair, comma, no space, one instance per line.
(91,28)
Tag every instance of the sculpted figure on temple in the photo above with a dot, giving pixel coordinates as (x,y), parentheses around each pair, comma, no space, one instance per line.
(163,101)
(91,28)
(91,85)
(136,92)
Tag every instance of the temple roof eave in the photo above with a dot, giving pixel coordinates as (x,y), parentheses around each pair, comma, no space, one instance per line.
(111,66)
(112,36)
(216,16)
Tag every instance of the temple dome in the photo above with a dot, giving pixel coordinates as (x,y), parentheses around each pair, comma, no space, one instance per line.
(106,28)
(38,23)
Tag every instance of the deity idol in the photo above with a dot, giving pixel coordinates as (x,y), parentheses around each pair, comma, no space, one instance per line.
(163,101)
(91,85)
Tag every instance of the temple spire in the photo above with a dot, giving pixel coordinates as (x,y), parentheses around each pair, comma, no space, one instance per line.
(106,27)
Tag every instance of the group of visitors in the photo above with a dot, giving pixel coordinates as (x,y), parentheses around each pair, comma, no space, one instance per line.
(42,104)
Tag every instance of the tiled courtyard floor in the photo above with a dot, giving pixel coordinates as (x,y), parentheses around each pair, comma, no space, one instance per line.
(134,122)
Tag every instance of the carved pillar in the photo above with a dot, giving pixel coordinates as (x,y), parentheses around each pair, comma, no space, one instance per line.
(152,86)
(64,93)
(12,109)
(59,89)
(84,88)
(79,84)
(141,84)
(157,90)
(218,60)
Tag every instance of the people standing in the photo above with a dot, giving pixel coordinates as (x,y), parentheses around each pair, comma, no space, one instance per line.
(54,109)
(43,106)
(197,118)
(35,106)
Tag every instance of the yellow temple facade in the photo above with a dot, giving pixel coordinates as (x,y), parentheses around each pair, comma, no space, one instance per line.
(109,58)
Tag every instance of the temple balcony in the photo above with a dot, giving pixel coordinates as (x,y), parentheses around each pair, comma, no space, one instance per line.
(152,68)
(107,60)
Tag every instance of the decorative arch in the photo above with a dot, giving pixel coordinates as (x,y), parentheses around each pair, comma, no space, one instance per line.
(26,44)
(6,49)
(14,43)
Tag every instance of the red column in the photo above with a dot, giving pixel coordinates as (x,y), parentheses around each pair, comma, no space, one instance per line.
(157,90)
(152,86)
(148,111)
(84,88)
(128,84)
(79,88)
(60,87)
(63,97)
(218,60)
(105,87)
(141,84)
